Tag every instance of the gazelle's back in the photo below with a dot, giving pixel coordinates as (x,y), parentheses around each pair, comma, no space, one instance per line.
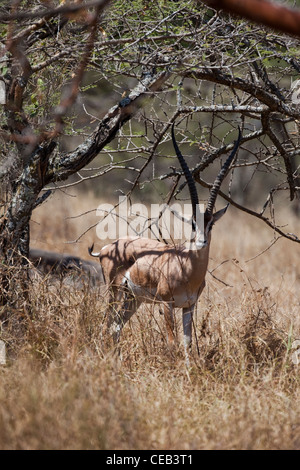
(117,257)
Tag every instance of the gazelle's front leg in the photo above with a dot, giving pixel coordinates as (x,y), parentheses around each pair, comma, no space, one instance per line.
(169,319)
(187,321)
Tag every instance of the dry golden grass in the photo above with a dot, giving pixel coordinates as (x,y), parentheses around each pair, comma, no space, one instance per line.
(64,389)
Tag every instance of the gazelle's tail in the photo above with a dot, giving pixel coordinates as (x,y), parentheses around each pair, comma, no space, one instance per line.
(96,255)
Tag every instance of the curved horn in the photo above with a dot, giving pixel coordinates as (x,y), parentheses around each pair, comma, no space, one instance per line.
(223,172)
(188,175)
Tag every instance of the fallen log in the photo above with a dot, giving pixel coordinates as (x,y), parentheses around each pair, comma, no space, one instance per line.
(50,262)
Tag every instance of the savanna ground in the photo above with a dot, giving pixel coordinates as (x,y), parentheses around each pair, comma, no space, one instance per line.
(63,389)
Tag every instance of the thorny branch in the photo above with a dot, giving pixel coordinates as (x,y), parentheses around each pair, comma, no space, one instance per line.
(271,14)
(251,212)
(67,9)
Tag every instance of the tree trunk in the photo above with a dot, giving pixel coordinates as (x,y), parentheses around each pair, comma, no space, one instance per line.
(14,229)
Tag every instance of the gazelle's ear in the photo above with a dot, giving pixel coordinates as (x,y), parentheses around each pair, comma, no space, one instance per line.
(217,215)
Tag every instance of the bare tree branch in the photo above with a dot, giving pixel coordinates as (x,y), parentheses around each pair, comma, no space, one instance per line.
(65,165)
(267,221)
(264,12)
(62,10)
(216,75)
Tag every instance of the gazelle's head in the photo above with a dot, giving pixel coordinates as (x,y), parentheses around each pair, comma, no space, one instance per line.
(203,234)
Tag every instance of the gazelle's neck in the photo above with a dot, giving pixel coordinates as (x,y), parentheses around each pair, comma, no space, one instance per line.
(198,255)
(198,259)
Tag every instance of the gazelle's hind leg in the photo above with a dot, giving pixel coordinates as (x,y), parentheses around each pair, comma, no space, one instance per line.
(113,306)
(119,318)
